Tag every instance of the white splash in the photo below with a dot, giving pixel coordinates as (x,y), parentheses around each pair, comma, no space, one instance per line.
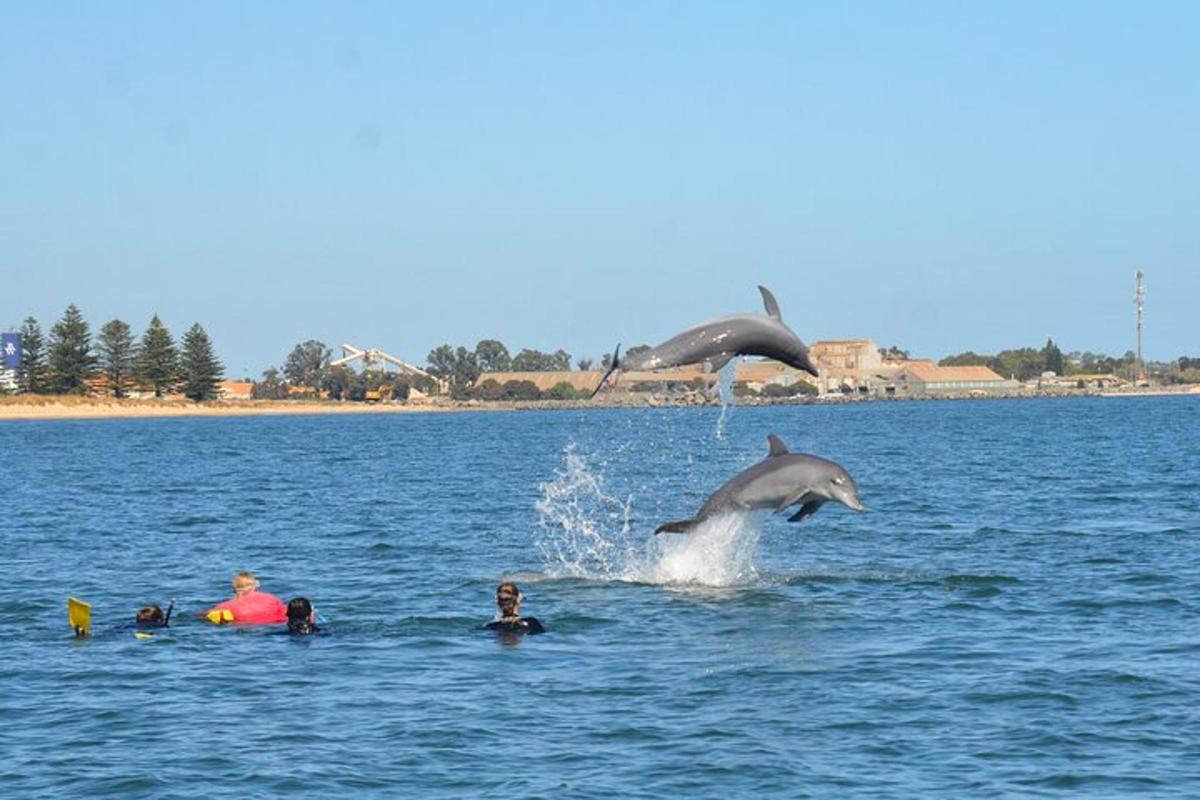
(720,552)
(585,532)
(725,381)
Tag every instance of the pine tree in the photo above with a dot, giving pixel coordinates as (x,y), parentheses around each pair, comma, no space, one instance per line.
(31,375)
(71,358)
(1052,358)
(199,368)
(115,345)
(157,362)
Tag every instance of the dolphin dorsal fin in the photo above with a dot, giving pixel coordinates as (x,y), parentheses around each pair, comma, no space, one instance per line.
(777,447)
(770,305)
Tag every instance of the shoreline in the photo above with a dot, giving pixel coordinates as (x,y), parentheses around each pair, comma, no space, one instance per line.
(49,407)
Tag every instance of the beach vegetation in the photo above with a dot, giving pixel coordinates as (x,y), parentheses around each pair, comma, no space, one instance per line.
(520,390)
(489,389)
(157,362)
(199,368)
(270,387)
(71,361)
(562,390)
(116,349)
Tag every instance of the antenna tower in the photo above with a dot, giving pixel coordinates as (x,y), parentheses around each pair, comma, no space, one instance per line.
(1139,302)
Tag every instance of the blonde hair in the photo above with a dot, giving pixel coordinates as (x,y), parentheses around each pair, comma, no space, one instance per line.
(244,581)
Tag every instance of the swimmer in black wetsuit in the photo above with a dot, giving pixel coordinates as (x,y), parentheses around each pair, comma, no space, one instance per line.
(508,600)
(301,618)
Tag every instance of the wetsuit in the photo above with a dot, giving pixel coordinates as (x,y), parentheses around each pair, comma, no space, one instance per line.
(522,625)
(252,608)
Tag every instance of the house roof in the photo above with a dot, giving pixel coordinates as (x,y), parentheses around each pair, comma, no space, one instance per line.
(930,372)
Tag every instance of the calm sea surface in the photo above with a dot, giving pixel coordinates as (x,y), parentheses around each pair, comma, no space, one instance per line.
(1017,614)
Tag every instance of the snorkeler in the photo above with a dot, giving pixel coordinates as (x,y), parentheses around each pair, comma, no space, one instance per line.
(301,617)
(152,616)
(249,606)
(148,619)
(508,600)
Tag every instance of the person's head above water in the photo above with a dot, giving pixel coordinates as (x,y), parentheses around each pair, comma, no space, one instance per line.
(151,617)
(244,583)
(508,599)
(300,616)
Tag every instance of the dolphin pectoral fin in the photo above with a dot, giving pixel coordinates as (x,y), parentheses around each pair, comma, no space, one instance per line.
(791,500)
(678,526)
(616,360)
(776,447)
(769,304)
(806,511)
(717,362)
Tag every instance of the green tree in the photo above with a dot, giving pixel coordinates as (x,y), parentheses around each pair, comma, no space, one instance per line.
(31,375)
(894,353)
(520,390)
(271,387)
(584,364)
(306,364)
(492,356)
(199,367)
(537,361)
(157,362)
(562,390)
(71,358)
(967,359)
(1024,363)
(458,366)
(117,351)
(336,382)
(1052,358)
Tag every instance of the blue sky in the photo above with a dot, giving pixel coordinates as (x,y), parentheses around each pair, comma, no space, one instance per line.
(940,176)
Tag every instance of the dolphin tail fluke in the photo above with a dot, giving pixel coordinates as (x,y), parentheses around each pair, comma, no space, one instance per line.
(616,361)
(678,526)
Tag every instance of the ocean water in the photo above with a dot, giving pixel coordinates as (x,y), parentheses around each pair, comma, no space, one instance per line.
(1018,614)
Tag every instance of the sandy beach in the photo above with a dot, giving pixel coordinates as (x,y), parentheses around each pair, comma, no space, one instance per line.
(21,408)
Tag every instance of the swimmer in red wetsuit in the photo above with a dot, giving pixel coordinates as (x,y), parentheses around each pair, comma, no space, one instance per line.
(249,606)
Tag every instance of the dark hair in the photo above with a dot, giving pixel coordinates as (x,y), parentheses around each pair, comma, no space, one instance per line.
(299,615)
(151,615)
(507,595)
(299,608)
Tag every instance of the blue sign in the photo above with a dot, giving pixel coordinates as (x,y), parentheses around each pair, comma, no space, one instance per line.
(10,350)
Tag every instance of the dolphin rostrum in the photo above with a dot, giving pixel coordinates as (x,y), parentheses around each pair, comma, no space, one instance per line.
(779,481)
(715,342)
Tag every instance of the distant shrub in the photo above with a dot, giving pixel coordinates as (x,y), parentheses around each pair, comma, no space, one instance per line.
(561,391)
(489,389)
(521,390)
(743,389)
(791,390)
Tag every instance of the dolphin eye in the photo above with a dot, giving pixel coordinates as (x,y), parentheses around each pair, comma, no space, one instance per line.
(839,480)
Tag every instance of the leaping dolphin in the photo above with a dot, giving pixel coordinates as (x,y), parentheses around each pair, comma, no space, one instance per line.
(779,481)
(714,342)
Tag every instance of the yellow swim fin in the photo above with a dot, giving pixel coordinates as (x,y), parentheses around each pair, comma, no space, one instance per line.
(217,616)
(79,614)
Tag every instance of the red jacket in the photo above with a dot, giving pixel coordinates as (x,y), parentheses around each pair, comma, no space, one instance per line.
(254,608)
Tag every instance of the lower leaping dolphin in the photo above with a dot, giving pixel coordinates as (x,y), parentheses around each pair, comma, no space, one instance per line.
(779,481)
(715,342)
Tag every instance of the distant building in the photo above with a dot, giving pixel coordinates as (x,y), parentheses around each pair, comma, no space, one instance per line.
(235,390)
(924,378)
(852,366)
